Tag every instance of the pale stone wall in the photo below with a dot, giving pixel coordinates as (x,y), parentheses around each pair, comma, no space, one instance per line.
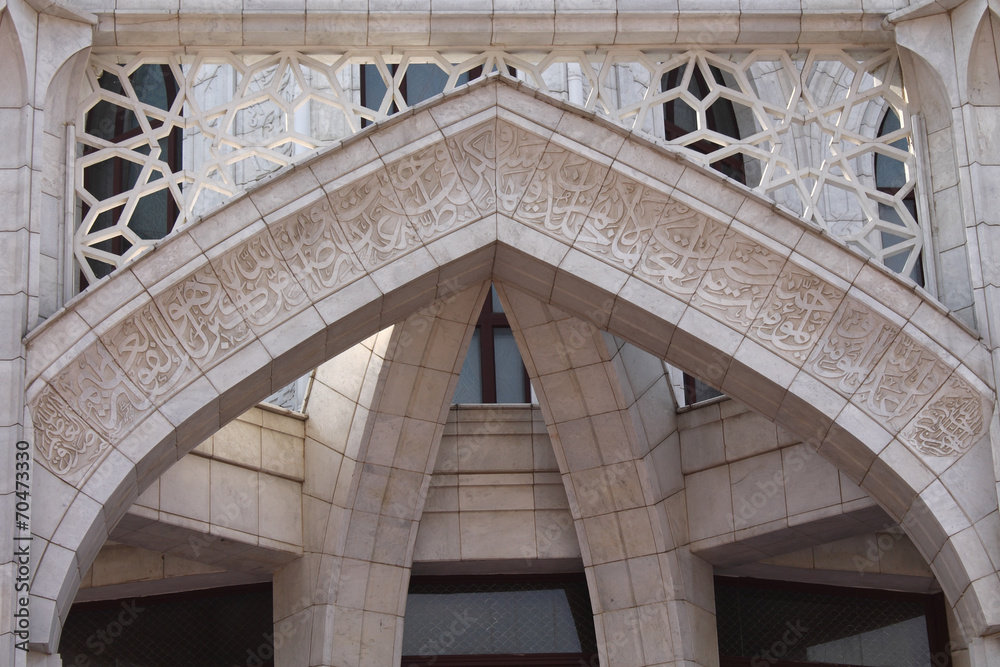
(496,492)
(124,564)
(234,502)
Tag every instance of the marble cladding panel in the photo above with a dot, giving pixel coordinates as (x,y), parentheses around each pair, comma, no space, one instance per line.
(496,491)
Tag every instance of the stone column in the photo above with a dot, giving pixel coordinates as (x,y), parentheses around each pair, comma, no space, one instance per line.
(33,48)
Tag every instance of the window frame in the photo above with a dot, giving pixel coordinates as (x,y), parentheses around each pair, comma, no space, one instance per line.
(488,321)
(582,659)
(144,600)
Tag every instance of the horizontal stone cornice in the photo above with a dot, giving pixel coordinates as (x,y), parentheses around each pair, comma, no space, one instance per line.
(144,23)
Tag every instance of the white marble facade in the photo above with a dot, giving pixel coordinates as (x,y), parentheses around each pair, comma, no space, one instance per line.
(333,241)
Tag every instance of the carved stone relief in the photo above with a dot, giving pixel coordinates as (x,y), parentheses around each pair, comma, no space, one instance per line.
(64,443)
(365,224)
(376,226)
(738,281)
(681,249)
(97,389)
(851,345)
(518,153)
(203,317)
(899,385)
(950,424)
(474,152)
(149,353)
(431,192)
(561,193)
(257,280)
(797,312)
(317,251)
(622,220)
(244,114)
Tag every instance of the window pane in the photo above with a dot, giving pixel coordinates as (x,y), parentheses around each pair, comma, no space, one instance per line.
(498,618)
(509,367)
(424,81)
(827,627)
(497,306)
(470,382)
(696,391)
(374,87)
(200,629)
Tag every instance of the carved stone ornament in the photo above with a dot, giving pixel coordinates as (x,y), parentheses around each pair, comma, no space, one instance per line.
(950,424)
(149,353)
(431,192)
(681,249)
(244,114)
(203,317)
(64,443)
(622,220)
(518,153)
(316,249)
(561,193)
(474,153)
(738,281)
(96,388)
(851,346)
(796,313)
(376,226)
(901,383)
(258,282)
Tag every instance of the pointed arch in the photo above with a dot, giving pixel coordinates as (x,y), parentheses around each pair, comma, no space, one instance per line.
(494,183)
(13,79)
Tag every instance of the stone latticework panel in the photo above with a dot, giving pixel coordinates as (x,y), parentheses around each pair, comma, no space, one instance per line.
(803,129)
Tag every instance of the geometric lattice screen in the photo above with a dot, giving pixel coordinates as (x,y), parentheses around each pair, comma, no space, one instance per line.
(824,133)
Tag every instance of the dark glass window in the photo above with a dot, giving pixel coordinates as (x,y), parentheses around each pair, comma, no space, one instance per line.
(493,371)
(421,81)
(525,620)
(680,119)
(783,624)
(696,391)
(214,628)
(154,214)
(890,177)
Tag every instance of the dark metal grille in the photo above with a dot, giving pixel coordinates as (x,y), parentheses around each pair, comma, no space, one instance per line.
(780,624)
(498,618)
(215,629)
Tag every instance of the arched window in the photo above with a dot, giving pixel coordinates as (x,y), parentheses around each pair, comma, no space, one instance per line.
(154,213)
